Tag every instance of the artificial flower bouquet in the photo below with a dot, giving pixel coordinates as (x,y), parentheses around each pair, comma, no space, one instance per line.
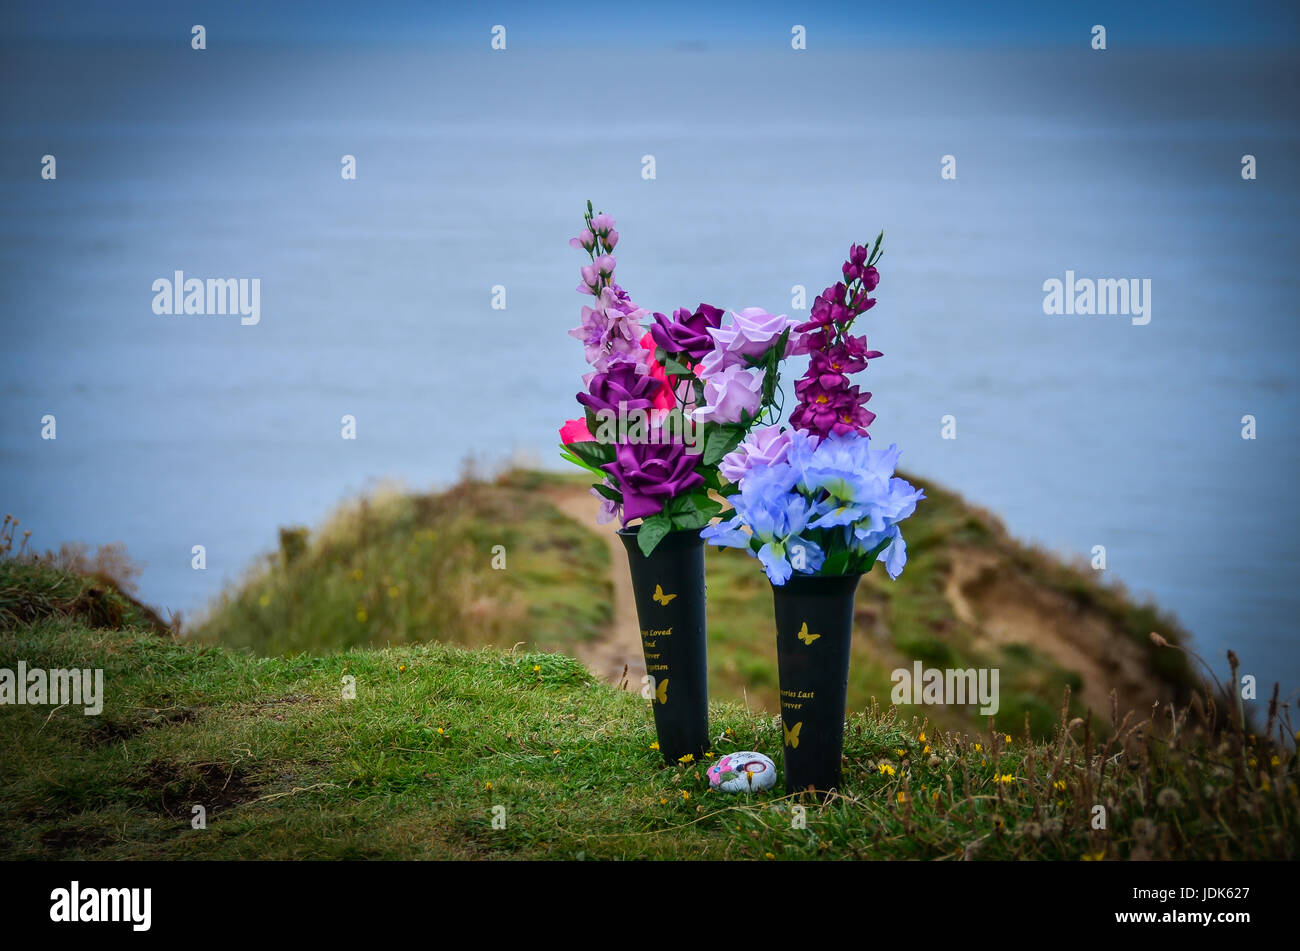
(667,398)
(683,412)
(816,497)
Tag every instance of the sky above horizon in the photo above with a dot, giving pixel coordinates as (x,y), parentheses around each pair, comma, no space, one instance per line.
(608,28)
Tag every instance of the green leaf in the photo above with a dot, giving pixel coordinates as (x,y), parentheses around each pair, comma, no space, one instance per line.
(570,457)
(593,454)
(720,440)
(694,510)
(652,531)
(778,352)
(614,495)
(728,490)
(836,564)
(770,376)
(865,560)
(675,367)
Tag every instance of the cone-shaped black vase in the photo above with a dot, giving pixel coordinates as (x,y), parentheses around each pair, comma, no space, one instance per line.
(814,625)
(669,590)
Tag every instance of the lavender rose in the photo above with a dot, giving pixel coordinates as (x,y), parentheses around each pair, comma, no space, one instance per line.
(751,333)
(763,447)
(728,393)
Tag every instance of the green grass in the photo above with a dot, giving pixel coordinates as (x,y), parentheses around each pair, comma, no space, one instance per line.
(418,568)
(437,736)
(479,565)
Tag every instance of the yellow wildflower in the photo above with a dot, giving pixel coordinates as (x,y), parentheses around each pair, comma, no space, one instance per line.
(686,758)
(654,745)
(886,769)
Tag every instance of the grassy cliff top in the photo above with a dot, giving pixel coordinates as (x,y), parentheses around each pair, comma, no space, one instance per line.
(519,559)
(438,737)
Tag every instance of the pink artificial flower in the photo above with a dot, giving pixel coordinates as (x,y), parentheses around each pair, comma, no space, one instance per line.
(575,430)
(664,398)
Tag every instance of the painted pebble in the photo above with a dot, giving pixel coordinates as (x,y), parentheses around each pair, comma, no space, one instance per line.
(743,772)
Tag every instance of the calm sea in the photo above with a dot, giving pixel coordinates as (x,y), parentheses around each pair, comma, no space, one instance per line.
(472,170)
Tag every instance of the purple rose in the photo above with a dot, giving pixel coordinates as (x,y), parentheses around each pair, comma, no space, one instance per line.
(728,393)
(763,447)
(687,333)
(649,474)
(625,384)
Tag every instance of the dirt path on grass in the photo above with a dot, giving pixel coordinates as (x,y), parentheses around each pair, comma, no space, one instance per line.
(986,593)
(606,656)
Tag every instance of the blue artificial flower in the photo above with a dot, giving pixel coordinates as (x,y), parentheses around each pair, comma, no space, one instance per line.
(823,487)
(775,517)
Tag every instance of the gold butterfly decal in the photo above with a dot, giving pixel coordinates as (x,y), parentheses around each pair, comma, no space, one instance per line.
(661,597)
(792,736)
(661,692)
(804,636)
